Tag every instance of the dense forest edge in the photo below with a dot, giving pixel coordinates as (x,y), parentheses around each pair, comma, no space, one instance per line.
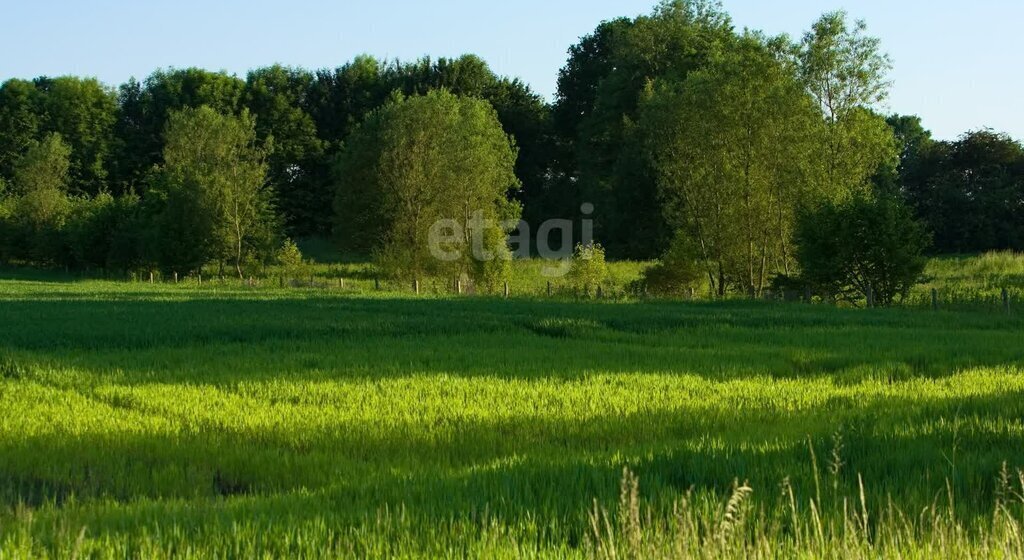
(740,162)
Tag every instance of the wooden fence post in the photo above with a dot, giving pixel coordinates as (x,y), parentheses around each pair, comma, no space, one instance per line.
(549,288)
(1006,300)
(870,296)
(600,292)
(416,286)
(376,284)
(935,299)
(200,278)
(458,286)
(175,277)
(506,289)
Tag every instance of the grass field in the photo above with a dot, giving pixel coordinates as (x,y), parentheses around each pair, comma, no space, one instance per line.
(177,420)
(959,283)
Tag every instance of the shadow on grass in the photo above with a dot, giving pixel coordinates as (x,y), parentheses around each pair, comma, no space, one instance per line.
(229,339)
(527,467)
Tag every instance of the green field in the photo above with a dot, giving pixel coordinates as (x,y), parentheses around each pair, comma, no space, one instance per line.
(179,420)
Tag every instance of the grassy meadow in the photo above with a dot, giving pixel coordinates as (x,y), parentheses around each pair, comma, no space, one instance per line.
(959,283)
(162,420)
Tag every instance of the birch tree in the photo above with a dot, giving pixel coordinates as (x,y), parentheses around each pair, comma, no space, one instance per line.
(732,146)
(845,71)
(214,163)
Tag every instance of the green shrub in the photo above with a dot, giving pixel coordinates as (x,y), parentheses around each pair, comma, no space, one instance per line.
(676,272)
(588,268)
(849,248)
(490,274)
(290,259)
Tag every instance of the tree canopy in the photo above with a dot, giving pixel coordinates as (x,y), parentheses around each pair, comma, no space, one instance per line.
(672,135)
(420,162)
(599,93)
(969,192)
(733,147)
(214,202)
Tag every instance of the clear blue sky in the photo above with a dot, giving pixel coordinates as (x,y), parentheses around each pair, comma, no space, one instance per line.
(957,62)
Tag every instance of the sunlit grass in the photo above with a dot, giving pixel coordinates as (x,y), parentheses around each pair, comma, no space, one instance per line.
(158,419)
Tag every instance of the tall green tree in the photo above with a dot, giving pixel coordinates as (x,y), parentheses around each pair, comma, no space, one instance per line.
(45,166)
(733,149)
(590,60)
(40,204)
(83,111)
(145,109)
(845,71)
(523,114)
(20,122)
(340,99)
(526,117)
(596,114)
(970,192)
(133,138)
(912,142)
(278,97)
(419,162)
(216,204)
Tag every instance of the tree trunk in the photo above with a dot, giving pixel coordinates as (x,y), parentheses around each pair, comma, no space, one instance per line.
(238,251)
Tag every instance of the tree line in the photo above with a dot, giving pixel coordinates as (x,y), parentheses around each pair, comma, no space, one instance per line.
(80,152)
(718,150)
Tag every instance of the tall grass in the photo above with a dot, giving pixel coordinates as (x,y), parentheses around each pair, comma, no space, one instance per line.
(221,420)
(972,282)
(847,527)
(960,283)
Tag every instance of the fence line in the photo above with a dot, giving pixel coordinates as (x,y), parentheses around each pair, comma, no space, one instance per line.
(933,298)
